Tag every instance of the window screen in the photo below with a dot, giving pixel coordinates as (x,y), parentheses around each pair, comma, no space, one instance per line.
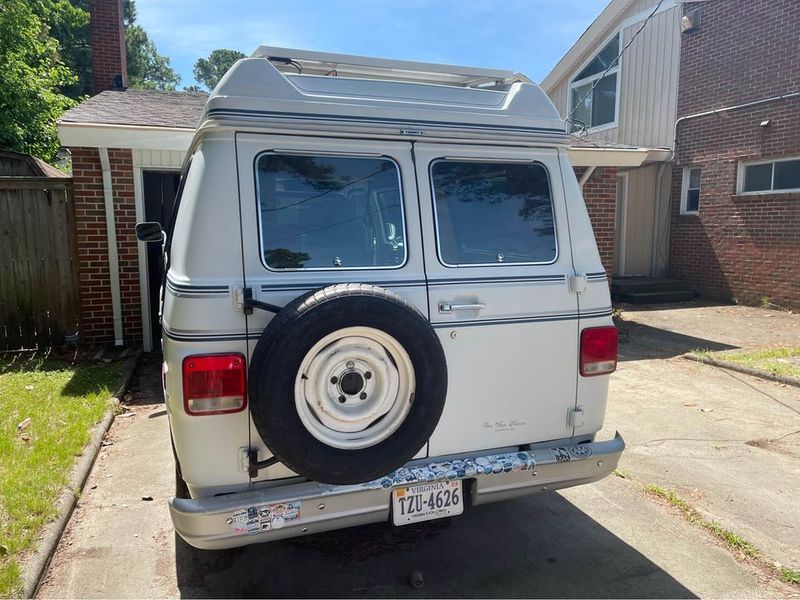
(493,213)
(330,212)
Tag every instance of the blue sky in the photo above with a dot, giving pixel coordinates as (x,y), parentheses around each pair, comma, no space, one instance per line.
(524,35)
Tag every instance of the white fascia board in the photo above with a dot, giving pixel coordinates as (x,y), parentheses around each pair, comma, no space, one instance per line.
(608,157)
(98,135)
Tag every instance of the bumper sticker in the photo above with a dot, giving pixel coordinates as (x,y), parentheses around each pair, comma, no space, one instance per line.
(264,517)
(457,469)
(267,517)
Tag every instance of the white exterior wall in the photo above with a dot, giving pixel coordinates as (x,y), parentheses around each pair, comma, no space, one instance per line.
(149,160)
(646,218)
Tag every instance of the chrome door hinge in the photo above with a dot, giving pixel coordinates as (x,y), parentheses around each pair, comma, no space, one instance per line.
(244,300)
(237,293)
(577,283)
(575,417)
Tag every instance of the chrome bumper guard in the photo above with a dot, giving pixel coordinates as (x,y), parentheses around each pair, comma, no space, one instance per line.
(291,510)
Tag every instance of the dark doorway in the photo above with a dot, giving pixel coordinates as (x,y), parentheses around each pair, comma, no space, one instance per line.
(160,188)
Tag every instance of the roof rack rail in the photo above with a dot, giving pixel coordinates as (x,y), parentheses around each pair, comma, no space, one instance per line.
(308,62)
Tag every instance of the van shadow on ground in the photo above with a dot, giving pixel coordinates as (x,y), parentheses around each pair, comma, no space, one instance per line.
(643,342)
(539,546)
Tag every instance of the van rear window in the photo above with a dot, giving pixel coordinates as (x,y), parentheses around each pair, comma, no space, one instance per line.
(328,212)
(493,213)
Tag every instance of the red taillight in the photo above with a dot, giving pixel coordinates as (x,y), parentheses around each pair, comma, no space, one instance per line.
(214,384)
(598,351)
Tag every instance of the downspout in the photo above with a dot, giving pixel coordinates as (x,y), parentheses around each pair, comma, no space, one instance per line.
(113,258)
(585,177)
(656,215)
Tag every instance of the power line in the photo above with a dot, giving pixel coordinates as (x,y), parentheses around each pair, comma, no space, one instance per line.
(611,66)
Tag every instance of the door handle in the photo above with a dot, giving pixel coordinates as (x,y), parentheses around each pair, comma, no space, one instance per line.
(446,307)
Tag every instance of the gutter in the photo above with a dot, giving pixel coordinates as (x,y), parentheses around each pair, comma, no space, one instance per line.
(111,236)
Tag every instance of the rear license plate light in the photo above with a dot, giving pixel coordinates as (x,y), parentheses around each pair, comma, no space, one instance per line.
(214,384)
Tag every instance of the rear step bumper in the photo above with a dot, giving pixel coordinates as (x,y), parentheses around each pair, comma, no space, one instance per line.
(304,508)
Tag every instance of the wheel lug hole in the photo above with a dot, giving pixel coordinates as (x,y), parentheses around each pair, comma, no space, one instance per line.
(342,399)
(367,375)
(363,395)
(334,380)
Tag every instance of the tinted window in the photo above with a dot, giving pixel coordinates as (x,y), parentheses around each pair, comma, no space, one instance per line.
(758,178)
(328,212)
(602,61)
(787,175)
(493,212)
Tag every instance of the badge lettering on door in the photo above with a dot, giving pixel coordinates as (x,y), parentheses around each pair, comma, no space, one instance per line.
(500,426)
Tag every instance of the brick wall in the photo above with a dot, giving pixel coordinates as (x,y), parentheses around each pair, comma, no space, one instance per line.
(600,196)
(739,246)
(108,44)
(97,325)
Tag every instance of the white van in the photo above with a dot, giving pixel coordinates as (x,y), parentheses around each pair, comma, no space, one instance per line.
(383,300)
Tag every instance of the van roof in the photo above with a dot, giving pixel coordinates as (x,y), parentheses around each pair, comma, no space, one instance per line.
(294,89)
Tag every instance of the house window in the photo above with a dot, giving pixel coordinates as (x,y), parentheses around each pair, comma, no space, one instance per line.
(593,91)
(770,176)
(690,197)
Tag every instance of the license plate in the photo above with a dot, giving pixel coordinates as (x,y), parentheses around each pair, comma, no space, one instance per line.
(427,501)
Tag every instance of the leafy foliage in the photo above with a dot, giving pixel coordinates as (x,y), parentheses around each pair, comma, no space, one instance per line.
(209,71)
(147,68)
(32,74)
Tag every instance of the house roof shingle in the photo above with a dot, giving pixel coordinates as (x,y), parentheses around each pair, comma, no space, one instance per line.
(140,107)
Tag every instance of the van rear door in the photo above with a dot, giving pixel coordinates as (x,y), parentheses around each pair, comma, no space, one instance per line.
(498,260)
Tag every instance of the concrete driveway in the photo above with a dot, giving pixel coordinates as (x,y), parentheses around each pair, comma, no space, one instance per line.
(727,443)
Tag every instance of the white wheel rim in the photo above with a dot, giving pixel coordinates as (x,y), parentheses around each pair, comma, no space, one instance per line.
(354,388)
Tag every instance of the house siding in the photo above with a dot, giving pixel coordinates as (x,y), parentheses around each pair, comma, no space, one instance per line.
(648,79)
(743,247)
(646,221)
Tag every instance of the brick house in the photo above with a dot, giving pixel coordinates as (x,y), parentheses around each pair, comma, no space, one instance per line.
(127,149)
(723,214)
(735,212)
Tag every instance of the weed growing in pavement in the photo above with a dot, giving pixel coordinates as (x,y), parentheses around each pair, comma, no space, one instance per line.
(731,540)
(788,575)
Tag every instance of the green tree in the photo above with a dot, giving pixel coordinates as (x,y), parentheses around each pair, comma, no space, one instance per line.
(209,71)
(146,67)
(32,75)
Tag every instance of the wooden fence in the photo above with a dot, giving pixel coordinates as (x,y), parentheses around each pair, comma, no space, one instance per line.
(39,300)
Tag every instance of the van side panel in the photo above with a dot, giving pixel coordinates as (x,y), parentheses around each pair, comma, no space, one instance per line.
(199,316)
(592,392)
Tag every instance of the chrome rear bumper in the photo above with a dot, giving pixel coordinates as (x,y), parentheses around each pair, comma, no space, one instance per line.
(303,508)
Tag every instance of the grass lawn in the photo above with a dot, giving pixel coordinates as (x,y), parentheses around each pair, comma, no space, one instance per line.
(62,401)
(779,361)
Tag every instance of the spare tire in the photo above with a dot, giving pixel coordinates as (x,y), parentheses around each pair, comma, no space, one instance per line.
(347,383)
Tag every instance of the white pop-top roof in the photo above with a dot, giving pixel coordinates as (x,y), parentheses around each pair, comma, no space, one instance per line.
(322,91)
